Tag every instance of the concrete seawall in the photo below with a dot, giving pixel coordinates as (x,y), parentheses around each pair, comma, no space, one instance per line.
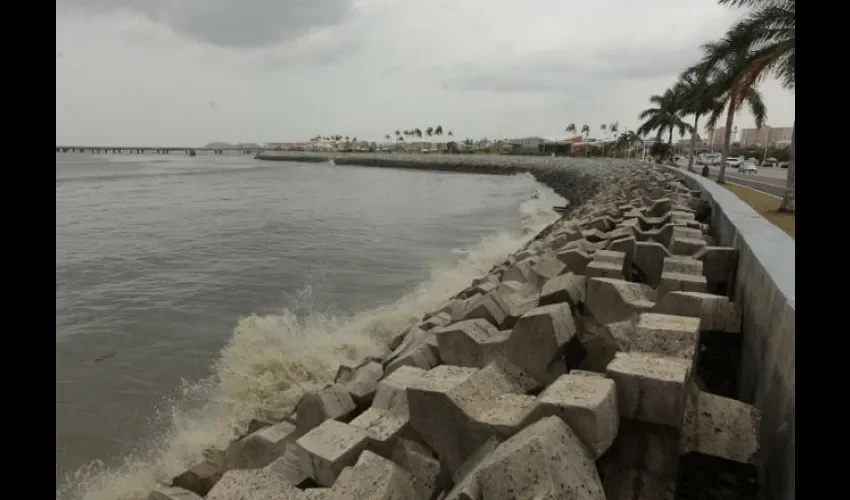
(591,364)
(575,179)
(765,288)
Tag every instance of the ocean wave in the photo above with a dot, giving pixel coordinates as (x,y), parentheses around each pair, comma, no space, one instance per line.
(272,359)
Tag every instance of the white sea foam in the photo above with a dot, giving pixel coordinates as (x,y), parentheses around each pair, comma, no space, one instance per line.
(270,357)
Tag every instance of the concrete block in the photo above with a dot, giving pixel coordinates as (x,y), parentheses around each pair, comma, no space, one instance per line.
(418,460)
(257,483)
(455,409)
(716,312)
(544,460)
(607,264)
(659,207)
(172,493)
(201,476)
(388,418)
(509,287)
(289,467)
(600,342)
(332,402)
(649,261)
(682,240)
(602,224)
(442,318)
(568,287)
(521,272)
(666,335)
(681,274)
(593,235)
(719,266)
(471,343)
(725,428)
(502,310)
(417,350)
(627,245)
(588,404)
(373,478)
(536,344)
(360,381)
(547,268)
(650,388)
(575,259)
(611,300)
(327,449)
(260,448)
(383,428)
(642,464)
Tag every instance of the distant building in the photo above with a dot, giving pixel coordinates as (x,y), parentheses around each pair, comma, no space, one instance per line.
(525,145)
(716,136)
(765,136)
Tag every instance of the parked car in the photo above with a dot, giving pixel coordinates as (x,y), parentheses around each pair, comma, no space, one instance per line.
(748,167)
(770,162)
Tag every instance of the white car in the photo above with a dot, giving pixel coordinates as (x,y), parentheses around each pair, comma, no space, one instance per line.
(734,162)
(748,167)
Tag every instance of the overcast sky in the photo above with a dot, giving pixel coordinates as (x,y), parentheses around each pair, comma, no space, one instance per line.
(188,72)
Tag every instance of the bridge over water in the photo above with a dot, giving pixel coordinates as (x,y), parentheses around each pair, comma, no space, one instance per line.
(189,150)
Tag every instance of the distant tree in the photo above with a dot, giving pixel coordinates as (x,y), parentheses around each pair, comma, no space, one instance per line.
(387,137)
(571,128)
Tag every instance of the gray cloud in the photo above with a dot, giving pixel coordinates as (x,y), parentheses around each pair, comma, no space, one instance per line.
(557,72)
(229,23)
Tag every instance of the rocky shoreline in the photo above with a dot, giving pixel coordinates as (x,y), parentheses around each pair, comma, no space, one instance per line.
(575,179)
(572,370)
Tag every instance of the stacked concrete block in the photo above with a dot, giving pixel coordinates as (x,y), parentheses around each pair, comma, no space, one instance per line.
(389,417)
(360,381)
(545,460)
(417,349)
(260,448)
(682,274)
(576,353)
(201,476)
(607,264)
(332,402)
(172,493)
(326,450)
(455,409)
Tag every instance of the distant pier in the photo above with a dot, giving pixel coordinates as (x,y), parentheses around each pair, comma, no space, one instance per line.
(148,150)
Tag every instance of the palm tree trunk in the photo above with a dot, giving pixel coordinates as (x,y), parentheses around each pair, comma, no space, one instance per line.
(789,201)
(693,145)
(727,138)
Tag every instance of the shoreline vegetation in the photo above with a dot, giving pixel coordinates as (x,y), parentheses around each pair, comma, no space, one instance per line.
(726,79)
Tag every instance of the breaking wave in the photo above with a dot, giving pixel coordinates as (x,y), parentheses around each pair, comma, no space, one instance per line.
(270,360)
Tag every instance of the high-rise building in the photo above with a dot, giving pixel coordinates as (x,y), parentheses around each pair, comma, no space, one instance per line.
(765,135)
(780,134)
(716,136)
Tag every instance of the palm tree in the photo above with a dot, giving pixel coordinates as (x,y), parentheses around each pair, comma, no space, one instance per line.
(387,137)
(429,132)
(733,86)
(666,116)
(438,131)
(769,31)
(698,98)
(571,128)
(627,139)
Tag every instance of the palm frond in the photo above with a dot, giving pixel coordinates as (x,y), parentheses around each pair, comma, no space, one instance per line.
(756,105)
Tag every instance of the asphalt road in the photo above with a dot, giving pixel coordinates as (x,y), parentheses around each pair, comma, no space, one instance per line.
(768,180)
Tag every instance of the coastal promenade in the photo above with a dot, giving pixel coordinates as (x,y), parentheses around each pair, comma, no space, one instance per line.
(642,344)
